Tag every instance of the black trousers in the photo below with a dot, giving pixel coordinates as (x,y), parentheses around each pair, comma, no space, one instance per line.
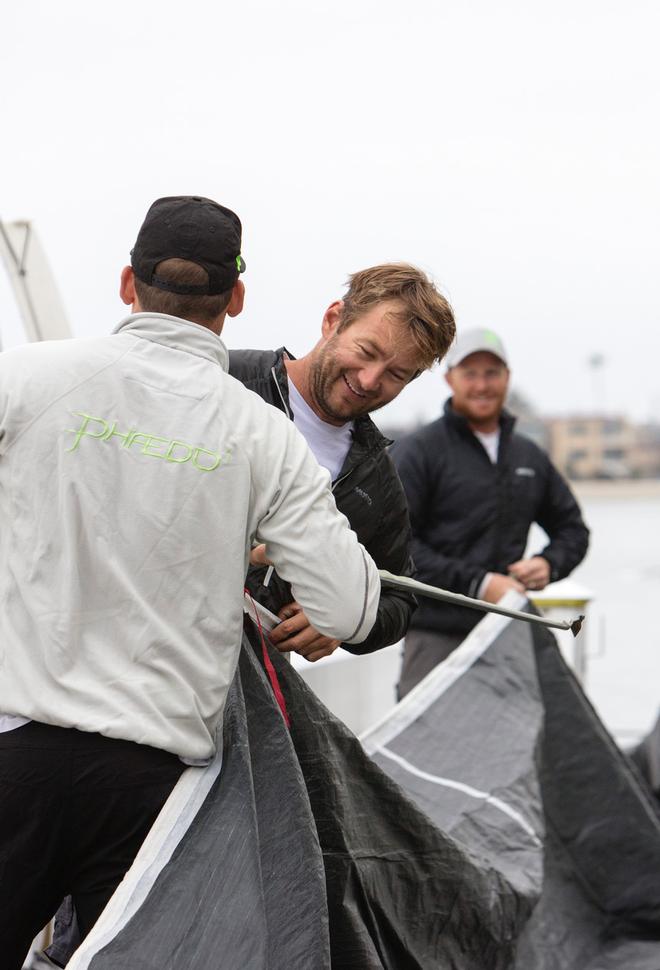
(74,810)
(422,651)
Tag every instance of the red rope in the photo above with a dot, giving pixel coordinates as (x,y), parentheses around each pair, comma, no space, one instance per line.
(270,670)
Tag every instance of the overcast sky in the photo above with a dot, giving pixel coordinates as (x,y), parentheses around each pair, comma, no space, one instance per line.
(511,149)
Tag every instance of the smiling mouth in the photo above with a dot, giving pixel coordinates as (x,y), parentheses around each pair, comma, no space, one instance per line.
(351,388)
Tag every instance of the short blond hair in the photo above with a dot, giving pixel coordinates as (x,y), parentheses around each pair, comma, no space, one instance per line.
(423,308)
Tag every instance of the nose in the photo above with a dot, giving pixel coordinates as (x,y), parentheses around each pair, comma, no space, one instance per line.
(480,383)
(370,377)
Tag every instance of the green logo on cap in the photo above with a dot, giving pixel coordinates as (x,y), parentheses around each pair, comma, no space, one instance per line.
(239,262)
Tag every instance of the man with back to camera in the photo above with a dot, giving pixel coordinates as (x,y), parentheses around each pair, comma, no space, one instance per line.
(474,488)
(134,476)
(391,324)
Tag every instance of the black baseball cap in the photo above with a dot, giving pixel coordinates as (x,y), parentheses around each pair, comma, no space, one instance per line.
(193,228)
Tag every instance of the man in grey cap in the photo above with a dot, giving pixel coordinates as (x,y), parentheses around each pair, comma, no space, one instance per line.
(474,487)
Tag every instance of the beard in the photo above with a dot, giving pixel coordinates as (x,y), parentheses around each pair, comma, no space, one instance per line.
(326,374)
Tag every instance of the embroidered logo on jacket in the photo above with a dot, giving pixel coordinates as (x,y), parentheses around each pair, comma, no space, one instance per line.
(155,446)
(361,492)
(527,472)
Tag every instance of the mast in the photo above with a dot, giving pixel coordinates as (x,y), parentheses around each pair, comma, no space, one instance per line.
(35,289)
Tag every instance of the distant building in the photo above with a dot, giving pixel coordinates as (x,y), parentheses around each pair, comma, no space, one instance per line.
(646,453)
(603,446)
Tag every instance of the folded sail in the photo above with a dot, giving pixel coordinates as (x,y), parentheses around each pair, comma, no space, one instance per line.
(489,823)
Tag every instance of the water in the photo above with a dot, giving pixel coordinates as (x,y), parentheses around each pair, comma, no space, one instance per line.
(622,569)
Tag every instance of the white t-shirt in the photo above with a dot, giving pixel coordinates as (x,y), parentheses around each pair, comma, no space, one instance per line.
(328,443)
(491,442)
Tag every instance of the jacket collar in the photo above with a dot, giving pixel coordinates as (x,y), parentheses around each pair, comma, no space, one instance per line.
(456,420)
(366,436)
(184,335)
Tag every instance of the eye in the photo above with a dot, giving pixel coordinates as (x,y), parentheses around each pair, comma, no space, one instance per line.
(364,351)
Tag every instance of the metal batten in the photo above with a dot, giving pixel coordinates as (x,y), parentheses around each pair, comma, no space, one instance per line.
(458,599)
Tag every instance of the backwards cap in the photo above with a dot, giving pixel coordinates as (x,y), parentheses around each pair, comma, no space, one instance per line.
(192,228)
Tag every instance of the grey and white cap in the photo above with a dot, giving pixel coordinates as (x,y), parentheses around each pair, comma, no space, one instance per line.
(471,342)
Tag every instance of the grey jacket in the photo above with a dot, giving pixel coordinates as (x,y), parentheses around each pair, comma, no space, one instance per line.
(134,475)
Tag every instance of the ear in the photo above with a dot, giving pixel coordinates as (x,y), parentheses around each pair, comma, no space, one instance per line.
(127,287)
(449,377)
(332,319)
(237,299)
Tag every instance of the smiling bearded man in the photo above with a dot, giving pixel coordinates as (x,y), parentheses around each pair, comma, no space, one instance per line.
(356,370)
(392,324)
(474,488)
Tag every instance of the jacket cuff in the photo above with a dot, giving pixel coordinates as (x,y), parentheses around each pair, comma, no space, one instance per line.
(554,568)
(475,585)
(482,586)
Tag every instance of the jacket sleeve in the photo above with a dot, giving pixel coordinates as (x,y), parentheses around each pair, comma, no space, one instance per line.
(560,517)
(308,540)
(446,572)
(431,565)
(390,549)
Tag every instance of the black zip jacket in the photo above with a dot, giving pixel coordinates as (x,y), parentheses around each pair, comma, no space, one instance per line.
(367,491)
(470,517)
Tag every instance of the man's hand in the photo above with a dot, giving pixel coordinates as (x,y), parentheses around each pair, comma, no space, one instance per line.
(533,573)
(295,634)
(498,585)
(258,556)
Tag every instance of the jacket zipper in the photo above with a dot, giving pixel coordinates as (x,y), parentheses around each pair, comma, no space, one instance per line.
(271,569)
(343,478)
(279,391)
